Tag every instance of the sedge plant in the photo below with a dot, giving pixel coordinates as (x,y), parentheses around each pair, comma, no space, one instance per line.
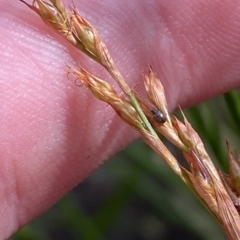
(218,191)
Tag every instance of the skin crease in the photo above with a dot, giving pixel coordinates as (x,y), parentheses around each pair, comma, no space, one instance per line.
(53,133)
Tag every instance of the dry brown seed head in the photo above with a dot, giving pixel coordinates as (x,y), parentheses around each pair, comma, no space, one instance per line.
(234,167)
(84,32)
(103,91)
(155,91)
(54,16)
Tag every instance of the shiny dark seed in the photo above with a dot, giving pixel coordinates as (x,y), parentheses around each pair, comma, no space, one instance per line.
(158,116)
(237,205)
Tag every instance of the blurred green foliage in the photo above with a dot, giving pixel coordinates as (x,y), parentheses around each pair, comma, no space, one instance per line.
(136,196)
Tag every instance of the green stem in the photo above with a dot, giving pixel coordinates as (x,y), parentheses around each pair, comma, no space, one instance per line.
(141,113)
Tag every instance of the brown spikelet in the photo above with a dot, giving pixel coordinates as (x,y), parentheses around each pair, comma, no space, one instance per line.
(104,92)
(228,213)
(156,93)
